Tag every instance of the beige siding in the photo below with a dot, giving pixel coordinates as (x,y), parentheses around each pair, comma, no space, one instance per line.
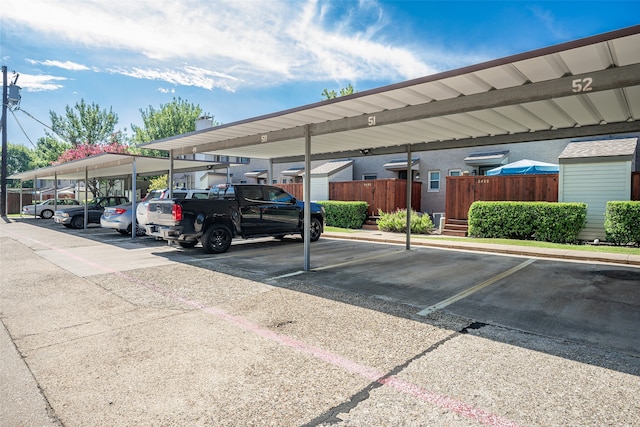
(595,184)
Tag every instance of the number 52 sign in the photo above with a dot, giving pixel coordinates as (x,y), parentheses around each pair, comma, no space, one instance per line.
(582,85)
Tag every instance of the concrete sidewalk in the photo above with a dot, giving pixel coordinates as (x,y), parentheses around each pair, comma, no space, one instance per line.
(462,243)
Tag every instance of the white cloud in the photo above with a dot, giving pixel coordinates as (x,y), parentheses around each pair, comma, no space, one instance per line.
(224,43)
(40,83)
(67,65)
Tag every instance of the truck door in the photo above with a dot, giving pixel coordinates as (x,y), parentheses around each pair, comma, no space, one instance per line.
(251,201)
(281,212)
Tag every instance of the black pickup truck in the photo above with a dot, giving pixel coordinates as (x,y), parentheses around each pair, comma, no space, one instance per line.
(245,210)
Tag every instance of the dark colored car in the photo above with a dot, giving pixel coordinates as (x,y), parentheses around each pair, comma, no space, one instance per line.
(74,217)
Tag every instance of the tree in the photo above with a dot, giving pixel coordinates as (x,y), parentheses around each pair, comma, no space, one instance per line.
(158,182)
(48,150)
(174,118)
(19,159)
(84,124)
(115,145)
(86,130)
(348,90)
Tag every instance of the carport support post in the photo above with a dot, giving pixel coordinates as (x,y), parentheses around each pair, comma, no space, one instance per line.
(86,196)
(307,198)
(55,191)
(35,193)
(134,226)
(170,177)
(409,185)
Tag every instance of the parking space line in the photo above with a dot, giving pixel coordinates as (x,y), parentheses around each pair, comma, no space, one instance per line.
(295,273)
(476,288)
(354,261)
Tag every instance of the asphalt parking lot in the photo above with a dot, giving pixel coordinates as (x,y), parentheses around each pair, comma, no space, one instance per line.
(128,332)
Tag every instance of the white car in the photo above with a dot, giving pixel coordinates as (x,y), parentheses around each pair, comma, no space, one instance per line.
(141,210)
(46,209)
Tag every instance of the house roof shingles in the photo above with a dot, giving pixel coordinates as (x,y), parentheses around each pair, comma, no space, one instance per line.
(597,149)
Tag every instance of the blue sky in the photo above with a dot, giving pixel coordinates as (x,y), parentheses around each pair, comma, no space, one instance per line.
(240,59)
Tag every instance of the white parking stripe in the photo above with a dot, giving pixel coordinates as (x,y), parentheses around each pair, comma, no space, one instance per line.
(475,288)
(353,261)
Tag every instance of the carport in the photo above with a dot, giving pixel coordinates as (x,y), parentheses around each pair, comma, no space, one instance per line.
(111,165)
(582,88)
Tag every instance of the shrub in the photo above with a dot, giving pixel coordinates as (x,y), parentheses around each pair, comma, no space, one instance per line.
(397,222)
(345,214)
(621,223)
(545,221)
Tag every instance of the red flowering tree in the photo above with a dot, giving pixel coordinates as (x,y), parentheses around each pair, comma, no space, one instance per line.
(81,151)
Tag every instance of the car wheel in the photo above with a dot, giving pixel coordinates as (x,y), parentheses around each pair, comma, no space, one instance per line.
(187,245)
(77,222)
(315,228)
(141,231)
(216,239)
(46,214)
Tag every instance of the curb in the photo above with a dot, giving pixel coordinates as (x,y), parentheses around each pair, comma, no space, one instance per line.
(566,254)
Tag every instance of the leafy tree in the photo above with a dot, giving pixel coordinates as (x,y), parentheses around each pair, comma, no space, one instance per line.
(348,90)
(158,182)
(84,124)
(48,150)
(174,118)
(19,159)
(115,145)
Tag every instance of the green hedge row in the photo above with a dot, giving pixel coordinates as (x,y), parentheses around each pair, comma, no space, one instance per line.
(345,214)
(397,222)
(622,223)
(544,221)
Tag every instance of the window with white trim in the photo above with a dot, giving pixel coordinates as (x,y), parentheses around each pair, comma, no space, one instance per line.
(434,181)
(369,176)
(455,172)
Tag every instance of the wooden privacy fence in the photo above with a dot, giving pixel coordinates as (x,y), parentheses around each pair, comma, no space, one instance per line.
(635,186)
(13,202)
(387,195)
(462,191)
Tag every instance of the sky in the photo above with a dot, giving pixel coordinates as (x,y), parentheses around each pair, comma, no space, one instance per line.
(239,59)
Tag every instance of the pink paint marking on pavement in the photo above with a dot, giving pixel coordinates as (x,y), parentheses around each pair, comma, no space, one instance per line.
(371,374)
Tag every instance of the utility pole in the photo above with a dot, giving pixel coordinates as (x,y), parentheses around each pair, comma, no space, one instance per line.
(3,184)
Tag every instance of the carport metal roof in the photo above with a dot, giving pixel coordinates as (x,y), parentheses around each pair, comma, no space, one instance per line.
(581,88)
(110,165)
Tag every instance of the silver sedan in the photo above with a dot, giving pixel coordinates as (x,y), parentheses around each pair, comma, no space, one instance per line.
(119,218)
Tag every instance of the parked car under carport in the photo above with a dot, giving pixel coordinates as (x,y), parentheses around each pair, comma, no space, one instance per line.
(119,218)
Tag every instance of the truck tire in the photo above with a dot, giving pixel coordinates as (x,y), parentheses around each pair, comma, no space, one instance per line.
(216,239)
(315,228)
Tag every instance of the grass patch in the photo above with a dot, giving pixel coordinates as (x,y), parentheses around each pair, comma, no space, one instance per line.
(339,230)
(536,244)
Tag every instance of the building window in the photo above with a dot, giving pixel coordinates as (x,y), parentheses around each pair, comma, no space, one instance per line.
(242,160)
(434,180)
(369,176)
(455,172)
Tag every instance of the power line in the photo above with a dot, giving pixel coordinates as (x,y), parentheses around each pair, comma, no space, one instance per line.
(22,129)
